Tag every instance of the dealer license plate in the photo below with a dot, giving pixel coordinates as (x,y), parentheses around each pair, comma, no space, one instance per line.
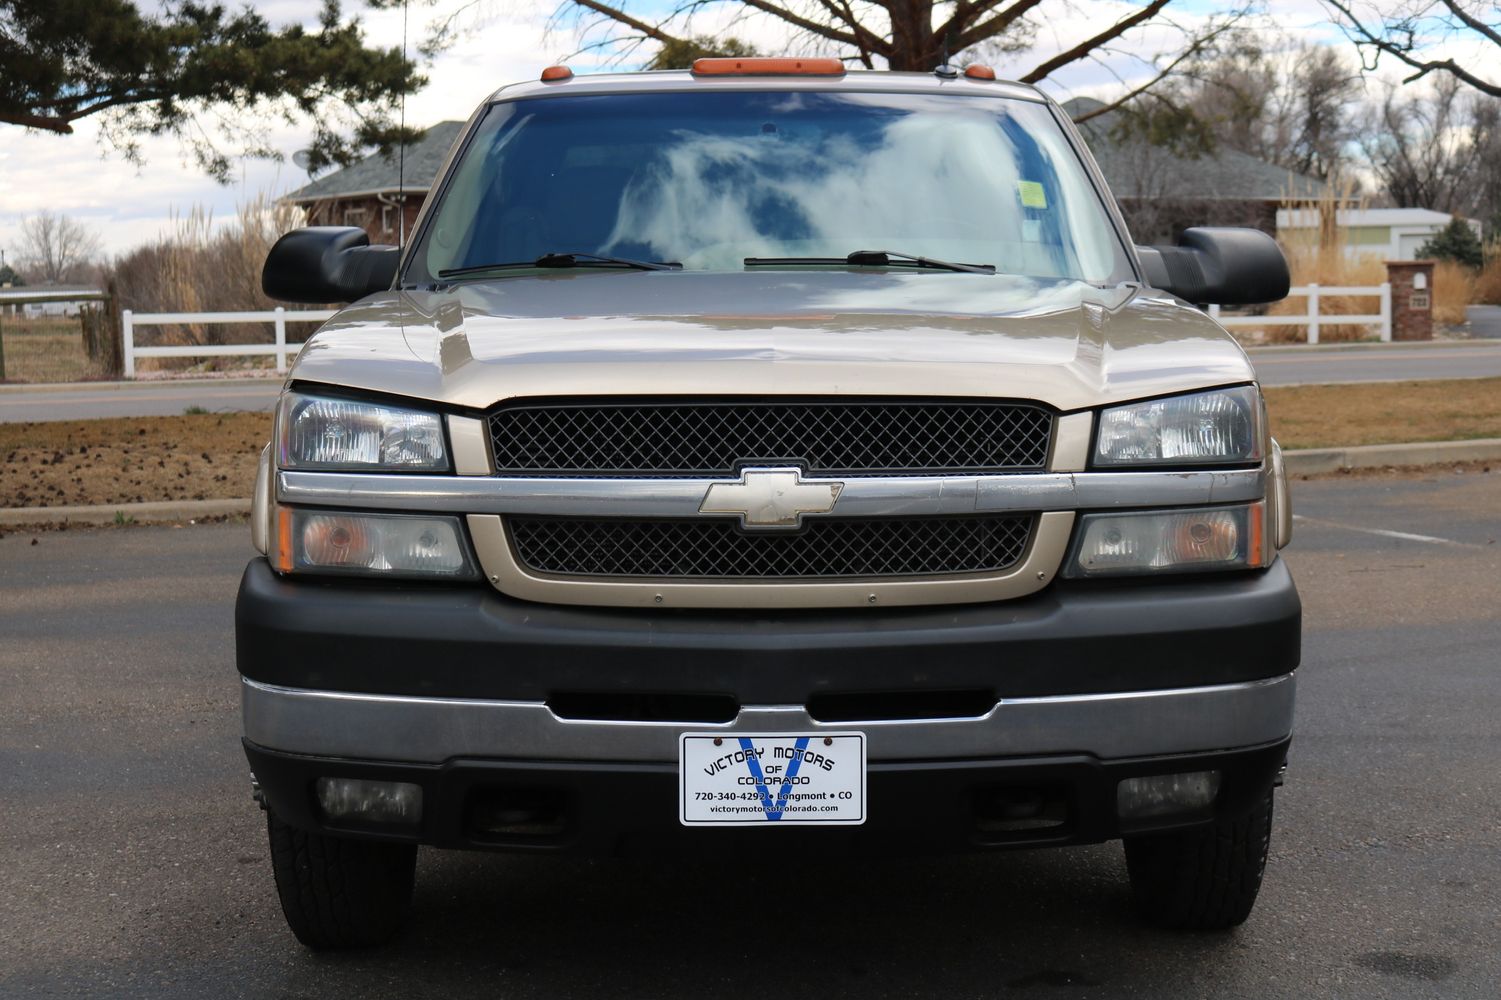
(787,779)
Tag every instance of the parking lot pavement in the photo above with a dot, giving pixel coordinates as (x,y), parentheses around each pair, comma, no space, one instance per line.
(133,862)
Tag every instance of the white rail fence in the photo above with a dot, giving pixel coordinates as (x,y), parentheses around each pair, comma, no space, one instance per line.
(279,317)
(1314,319)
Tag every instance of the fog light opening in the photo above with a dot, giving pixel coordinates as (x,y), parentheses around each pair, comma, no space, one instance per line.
(1166,794)
(521,814)
(1019,810)
(394,803)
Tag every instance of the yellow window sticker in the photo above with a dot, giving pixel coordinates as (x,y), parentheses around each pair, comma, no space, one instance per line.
(1032,194)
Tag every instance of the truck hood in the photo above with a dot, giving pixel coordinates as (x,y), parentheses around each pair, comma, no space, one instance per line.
(582,333)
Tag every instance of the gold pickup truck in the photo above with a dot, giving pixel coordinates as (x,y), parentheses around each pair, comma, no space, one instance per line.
(768,453)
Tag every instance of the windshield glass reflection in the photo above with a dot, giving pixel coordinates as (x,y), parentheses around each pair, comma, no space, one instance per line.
(709,179)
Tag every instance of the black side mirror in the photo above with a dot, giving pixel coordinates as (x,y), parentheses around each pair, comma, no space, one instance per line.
(327,264)
(1228,267)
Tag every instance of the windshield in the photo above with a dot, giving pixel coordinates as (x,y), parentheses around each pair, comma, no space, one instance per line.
(710,179)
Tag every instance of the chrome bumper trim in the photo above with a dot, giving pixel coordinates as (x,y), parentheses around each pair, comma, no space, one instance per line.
(875,496)
(433,730)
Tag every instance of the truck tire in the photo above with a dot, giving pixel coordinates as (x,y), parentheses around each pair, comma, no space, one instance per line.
(338,893)
(1204,879)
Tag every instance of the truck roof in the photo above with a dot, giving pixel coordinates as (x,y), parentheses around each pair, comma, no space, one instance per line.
(883,81)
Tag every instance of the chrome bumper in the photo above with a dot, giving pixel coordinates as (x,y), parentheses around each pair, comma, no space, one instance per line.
(433,730)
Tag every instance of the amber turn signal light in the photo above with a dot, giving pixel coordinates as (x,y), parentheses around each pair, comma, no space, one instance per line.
(554,74)
(977,72)
(714,66)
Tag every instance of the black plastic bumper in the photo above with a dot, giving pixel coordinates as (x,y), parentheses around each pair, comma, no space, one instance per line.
(1075,637)
(607,809)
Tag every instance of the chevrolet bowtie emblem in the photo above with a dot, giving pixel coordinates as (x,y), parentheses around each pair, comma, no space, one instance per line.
(771,498)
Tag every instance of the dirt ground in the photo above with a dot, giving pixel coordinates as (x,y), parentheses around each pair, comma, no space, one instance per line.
(1332,416)
(212,456)
(190,457)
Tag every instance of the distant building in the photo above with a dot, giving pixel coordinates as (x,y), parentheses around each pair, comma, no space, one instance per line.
(1391,233)
(379,194)
(47,300)
(1161,192)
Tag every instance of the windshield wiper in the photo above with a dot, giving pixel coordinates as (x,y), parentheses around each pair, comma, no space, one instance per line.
(874,258)
(573,259)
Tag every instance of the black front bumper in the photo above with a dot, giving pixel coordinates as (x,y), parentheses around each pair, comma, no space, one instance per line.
(1075,637)
(608,809)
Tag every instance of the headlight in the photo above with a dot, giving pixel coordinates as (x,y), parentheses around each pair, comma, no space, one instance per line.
(1170,541)
(1206,427)
(388,545)
(321,433)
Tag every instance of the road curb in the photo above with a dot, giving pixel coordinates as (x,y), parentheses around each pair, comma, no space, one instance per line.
(1309,462)
(140,513)
(1314,461)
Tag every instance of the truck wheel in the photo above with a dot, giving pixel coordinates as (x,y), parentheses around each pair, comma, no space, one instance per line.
(339,893)
(1203,879)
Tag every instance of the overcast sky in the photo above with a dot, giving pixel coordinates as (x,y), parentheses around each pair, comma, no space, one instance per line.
(509,40)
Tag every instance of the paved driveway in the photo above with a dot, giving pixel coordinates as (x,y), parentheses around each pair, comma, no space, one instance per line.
(133,862)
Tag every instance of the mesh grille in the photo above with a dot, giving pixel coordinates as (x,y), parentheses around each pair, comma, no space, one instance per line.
(717,439)
(719,549)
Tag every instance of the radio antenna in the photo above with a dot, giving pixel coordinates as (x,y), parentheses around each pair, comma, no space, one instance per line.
(401,156)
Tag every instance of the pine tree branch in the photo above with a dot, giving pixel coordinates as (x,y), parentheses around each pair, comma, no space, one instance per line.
(49,123)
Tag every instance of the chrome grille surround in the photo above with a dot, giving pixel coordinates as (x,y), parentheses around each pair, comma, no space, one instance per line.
(719,549)
(711,438)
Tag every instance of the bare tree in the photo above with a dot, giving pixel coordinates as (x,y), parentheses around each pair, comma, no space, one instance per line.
(918,34)
(915,35)
(1439,148)
(1415,32)
(53,247)
(1295,106)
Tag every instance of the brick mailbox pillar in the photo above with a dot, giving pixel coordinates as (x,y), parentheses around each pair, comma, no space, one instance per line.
(1412,298)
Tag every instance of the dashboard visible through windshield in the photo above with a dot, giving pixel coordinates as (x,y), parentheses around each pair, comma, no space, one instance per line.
(710,179)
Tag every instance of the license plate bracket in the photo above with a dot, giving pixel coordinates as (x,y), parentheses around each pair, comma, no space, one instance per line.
(771,779)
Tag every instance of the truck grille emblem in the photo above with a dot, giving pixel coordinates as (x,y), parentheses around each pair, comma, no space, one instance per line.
(771,498)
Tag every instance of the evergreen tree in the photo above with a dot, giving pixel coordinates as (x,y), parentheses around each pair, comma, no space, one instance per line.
(194,71)
(1457,242)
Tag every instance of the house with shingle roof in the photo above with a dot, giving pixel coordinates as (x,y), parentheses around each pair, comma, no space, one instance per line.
(1162,192)
(380,194)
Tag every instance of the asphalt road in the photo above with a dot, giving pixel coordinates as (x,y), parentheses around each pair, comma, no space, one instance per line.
(1274,366)
(1377,363)
(133,862)
(82,401)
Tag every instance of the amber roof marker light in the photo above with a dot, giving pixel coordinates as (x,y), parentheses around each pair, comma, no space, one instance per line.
(975,71)
(556,74)
(718,66)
